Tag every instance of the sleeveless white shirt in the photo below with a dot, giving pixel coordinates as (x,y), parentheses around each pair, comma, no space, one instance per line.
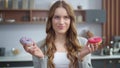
(60,60)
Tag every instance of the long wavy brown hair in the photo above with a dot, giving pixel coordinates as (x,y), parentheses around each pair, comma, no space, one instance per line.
(72,43)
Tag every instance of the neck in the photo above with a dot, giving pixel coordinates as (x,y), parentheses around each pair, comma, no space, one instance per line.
(60,38)
(60,43)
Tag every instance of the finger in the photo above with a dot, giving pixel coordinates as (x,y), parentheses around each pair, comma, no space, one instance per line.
(35,51)
(34,48)
(97,46)
(89,49)
(92,47)
(87,44)
(28,48)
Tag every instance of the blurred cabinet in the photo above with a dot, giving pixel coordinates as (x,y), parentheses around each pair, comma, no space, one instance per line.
(106,63)
(23,16)
(95,16)
(110,63)
(113,63)
(16,64)
(117,64)
(98,63)
(91,16)
(33,16)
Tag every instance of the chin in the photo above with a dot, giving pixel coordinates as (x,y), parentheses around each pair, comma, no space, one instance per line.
(61,32)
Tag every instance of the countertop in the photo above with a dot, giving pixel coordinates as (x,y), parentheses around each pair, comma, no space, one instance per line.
(29,58)
(105,57)
(16,58)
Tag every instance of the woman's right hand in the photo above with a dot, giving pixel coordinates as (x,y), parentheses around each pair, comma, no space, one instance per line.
(33,49)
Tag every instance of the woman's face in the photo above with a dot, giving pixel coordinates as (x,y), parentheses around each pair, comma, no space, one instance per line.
(60,21)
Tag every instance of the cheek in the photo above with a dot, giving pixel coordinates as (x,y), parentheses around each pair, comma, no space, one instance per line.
(54,24)
(68,24)
(53,21)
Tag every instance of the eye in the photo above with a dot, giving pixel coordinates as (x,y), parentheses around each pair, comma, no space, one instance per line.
(66,17)
(56,17)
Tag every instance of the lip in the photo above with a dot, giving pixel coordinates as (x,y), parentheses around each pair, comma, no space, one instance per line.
(60,27)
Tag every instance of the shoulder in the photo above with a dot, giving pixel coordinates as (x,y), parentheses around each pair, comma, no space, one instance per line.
(82,38)
(82,41)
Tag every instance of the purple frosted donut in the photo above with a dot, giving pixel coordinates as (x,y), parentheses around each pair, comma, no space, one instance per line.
(25,40)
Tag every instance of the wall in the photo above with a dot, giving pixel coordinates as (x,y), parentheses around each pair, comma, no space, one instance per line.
(45,4)
(112,26)
(11,33)
(86,4)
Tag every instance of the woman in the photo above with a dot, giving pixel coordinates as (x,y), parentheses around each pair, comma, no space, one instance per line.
(61,48)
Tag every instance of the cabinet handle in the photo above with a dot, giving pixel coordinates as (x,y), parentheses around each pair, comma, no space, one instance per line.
(119,61)
(110,61)
(96,19)
(8,65)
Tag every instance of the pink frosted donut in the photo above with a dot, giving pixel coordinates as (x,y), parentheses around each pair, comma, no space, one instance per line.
(95,40)
(25,40)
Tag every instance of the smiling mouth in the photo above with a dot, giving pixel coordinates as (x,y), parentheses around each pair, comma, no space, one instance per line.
(60,27)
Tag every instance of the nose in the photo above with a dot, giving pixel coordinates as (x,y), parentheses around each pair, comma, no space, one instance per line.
(61,20)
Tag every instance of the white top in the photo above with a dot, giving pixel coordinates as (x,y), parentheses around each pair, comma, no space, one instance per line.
(60,60)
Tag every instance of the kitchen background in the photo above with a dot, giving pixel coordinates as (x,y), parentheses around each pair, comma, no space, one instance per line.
(11,33)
